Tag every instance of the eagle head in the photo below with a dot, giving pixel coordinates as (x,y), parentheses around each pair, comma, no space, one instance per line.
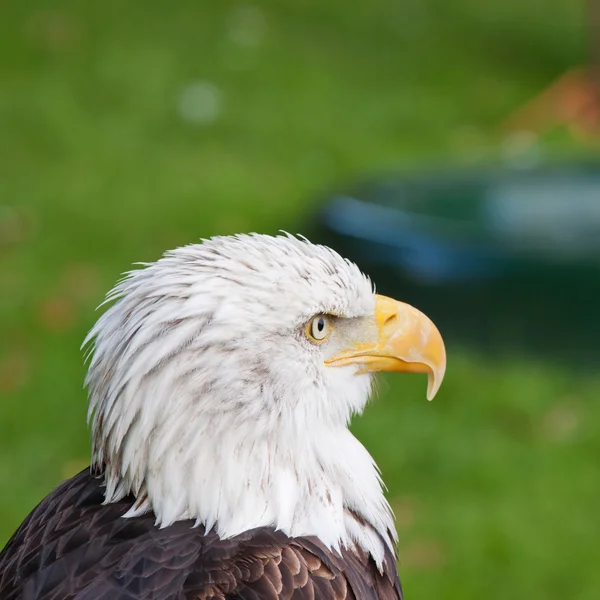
(222,380)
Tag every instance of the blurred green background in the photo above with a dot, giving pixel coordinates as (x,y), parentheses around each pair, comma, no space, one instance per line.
(127,128)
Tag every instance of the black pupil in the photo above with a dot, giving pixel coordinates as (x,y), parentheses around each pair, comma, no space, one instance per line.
(321,324)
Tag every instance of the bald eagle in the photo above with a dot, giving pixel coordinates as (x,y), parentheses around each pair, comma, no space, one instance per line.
(221,383)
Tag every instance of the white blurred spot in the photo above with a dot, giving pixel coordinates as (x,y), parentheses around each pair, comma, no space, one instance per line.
(246,26)
(561,422)
(200,102)
(521,149)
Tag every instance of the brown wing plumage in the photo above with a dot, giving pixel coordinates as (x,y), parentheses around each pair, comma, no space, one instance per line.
(71,547)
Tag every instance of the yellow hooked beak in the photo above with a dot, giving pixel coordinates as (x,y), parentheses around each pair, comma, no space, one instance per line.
(407,342)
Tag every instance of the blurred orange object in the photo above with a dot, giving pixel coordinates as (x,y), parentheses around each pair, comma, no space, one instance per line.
(573,100)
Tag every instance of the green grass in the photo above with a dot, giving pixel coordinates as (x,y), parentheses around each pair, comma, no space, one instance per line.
(495,483)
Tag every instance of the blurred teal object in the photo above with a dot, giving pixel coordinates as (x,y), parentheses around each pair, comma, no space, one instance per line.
(498,257)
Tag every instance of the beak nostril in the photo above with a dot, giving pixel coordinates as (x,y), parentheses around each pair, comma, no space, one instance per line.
(391,318)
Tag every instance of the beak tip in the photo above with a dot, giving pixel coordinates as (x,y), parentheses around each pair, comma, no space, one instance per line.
(434,382)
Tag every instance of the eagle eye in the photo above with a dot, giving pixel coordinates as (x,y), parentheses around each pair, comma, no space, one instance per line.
(318,328)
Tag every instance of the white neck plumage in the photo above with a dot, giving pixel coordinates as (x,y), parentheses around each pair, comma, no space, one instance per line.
(324,484)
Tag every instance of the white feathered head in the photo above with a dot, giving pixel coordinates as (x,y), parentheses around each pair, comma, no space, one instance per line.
(223,378)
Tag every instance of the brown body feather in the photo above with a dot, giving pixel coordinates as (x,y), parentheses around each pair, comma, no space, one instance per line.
(72,547)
